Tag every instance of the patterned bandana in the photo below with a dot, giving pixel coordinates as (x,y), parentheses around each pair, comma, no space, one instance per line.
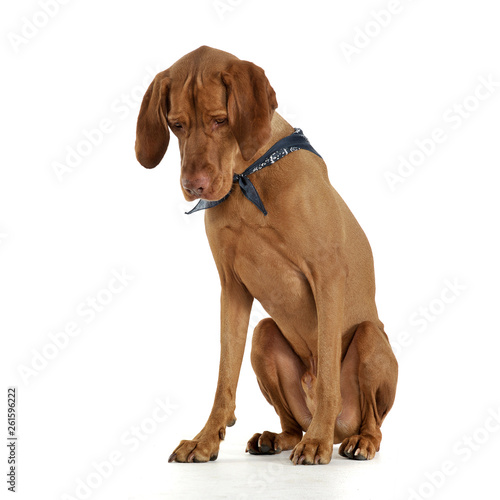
(285,146)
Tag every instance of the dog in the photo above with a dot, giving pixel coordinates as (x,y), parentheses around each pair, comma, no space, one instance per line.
(279,233)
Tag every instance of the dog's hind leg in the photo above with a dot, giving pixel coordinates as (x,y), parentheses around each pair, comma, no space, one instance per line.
(279,372)
(370,362)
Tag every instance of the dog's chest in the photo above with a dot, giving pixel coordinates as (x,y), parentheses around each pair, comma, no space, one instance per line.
(268,268)
(271,278)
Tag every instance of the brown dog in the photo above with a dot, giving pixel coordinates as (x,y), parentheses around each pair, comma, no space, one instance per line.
(322,359)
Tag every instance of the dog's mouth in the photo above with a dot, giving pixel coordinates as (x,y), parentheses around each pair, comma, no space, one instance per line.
(217,189)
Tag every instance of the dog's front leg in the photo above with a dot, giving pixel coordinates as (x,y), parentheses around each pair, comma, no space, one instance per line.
(317,443)
(236,304)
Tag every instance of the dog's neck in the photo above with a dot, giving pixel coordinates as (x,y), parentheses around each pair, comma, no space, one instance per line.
(279,128)
(267,181)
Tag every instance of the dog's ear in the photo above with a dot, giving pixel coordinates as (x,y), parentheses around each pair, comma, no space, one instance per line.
(251,102)
(152,129)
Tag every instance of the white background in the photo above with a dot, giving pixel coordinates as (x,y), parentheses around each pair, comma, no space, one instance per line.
(62,238)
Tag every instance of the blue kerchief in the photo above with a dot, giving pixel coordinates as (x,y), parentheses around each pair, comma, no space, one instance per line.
(283,147)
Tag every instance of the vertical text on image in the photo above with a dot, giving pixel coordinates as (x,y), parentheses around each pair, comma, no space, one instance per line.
(12,458)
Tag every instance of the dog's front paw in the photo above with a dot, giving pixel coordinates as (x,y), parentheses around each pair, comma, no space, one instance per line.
(312,451)
(201,449)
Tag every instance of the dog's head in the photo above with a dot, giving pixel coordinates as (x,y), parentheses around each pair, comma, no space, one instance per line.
(220,110)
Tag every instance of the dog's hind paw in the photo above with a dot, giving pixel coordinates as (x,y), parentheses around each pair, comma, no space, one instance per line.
(357,447)
(270,443)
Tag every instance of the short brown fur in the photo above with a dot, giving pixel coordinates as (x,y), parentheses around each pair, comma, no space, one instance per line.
(322,359)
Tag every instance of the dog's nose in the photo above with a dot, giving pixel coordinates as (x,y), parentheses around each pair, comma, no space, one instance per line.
(196,186)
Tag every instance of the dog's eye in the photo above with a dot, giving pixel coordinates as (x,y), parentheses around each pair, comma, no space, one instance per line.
(177,125)
(220,121)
